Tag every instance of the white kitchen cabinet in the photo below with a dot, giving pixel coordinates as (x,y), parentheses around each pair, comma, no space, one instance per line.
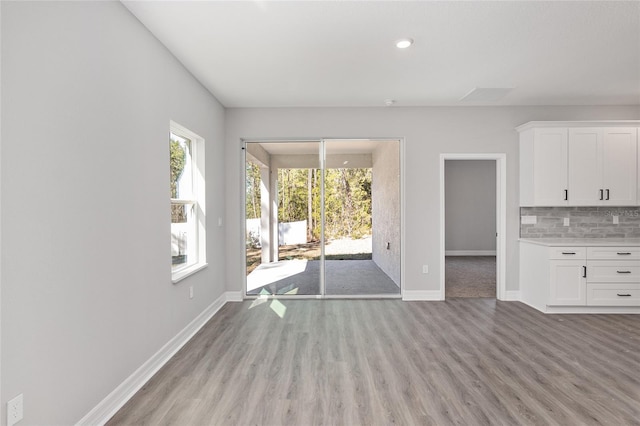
(579,164)
(585,166)
(590,278)
(602,166)
(620,295)
(620,166)
(543,165)
(567,283)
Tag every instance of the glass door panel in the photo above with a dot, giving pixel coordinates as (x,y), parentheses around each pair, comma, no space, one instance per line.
(283,218)
(362,217)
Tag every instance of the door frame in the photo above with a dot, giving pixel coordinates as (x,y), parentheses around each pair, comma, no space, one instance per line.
(501,216)
(321,140)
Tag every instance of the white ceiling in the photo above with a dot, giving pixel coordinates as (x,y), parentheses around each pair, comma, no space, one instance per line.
(337,53)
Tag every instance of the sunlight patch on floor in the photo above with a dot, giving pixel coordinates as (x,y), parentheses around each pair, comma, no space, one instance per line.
(268,273)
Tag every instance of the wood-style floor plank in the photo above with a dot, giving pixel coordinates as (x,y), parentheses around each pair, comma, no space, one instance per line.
(370,362)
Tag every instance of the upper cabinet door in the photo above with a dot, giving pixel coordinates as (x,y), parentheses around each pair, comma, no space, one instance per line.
(619,158)
(585,167)
(550,167)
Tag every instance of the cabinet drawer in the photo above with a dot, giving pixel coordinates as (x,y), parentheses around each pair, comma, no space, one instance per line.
(608,295)
(621,253)
(612,271)
(579,253)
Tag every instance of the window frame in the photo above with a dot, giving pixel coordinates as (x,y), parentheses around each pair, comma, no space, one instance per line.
(197,200)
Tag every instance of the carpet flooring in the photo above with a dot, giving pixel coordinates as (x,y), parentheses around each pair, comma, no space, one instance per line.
(470,276)
(301,277)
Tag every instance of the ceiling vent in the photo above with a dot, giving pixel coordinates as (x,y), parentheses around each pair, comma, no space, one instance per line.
(486,94)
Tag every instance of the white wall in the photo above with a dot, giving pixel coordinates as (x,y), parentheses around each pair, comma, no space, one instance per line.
(470,205)
(87,95)
(385,208)
(428,132)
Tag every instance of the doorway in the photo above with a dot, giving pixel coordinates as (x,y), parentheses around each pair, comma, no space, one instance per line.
(322,218)
(473,214)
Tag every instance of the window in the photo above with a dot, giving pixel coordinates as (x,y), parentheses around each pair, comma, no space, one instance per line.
(187,202)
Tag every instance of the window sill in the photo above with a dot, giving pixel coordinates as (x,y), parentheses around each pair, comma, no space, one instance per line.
(184,273)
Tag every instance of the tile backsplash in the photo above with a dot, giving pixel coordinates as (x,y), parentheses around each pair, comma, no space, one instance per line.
(584,222)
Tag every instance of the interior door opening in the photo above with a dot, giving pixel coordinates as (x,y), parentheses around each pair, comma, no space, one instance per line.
(472,225)
(470,228)
(322,218)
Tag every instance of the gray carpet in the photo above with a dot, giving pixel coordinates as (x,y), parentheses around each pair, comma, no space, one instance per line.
(470,276)
(343,277)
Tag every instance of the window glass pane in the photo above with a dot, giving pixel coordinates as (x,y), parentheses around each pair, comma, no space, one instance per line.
(183,217)
(181,168)
(181,234)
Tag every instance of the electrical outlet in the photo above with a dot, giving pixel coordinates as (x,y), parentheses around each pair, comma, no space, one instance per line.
(616,220)
(566,221)
(425,269)
(190,292)
(15,410)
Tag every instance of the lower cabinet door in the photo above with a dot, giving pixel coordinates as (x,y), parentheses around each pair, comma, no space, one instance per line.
(568,284)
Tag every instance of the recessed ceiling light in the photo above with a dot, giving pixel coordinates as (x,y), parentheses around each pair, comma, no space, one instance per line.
(403,43)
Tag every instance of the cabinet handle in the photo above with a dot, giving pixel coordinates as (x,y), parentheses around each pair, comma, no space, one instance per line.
(584,272)
(566,194)
(568,252)
(601,194)
(623,272)
(607,194)
(624,253)
(624,295)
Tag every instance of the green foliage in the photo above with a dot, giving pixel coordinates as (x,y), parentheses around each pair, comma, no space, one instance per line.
(252,185)
(347,199)
(347,203)
(178,158)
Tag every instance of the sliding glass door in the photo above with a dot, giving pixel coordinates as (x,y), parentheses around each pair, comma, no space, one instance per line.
(283,229)
(323,218)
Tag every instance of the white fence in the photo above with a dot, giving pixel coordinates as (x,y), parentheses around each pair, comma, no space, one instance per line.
(288,233)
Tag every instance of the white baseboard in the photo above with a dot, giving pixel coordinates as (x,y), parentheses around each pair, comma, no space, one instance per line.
(512,295)
(234,296)
(102,412)
(592,310)
(470,253)
(417,295)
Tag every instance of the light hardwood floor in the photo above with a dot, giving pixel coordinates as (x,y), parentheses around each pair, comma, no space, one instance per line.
(369,362)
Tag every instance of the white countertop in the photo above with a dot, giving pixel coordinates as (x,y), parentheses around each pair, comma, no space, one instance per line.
(583,242)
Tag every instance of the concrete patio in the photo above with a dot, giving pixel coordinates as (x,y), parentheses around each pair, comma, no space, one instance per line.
(302,277)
